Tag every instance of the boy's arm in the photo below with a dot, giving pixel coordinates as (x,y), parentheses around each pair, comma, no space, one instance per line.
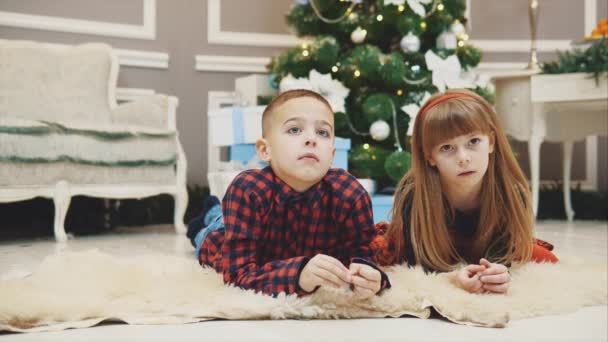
(359,230)
(243,239)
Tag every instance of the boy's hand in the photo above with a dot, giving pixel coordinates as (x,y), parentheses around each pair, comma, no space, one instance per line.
(467,278)
(323,270)
(495,278)
(366,280)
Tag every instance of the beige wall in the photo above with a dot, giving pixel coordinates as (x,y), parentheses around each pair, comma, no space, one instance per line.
(181,33)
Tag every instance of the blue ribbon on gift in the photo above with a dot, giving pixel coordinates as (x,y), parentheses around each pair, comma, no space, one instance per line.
(238,127)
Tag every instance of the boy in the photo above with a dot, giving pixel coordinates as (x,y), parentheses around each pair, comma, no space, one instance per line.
(294,225)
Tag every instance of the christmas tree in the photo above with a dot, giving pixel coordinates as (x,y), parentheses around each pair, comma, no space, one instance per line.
(377,61)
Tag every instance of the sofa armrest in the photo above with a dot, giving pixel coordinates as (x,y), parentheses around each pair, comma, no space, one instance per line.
(158,111)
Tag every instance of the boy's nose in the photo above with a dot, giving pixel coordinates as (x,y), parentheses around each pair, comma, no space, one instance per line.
(311,139)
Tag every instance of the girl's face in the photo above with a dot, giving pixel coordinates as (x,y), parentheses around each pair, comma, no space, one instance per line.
(463,161)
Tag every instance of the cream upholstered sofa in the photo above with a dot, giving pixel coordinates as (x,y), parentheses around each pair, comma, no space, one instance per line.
(63,134)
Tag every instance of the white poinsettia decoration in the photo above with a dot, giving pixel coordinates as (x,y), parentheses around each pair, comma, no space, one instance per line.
(332,90)
(289,83)
(394,2)
(416,5)
(412,110)
(447,73)
(479,80)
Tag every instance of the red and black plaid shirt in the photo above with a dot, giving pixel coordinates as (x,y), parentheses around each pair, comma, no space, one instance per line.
(272,231)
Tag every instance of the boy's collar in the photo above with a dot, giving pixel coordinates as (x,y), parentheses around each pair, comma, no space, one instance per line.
(285,193)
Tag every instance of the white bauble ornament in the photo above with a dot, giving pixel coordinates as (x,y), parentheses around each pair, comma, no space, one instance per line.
(379,130)
(301,2)
(457,28)
(446,40)
(358,35)
(410,43)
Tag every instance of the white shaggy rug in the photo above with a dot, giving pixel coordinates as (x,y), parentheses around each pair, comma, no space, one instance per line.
(82,289)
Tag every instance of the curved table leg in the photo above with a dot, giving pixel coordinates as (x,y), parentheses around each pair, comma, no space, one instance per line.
(567,168)
(534,152)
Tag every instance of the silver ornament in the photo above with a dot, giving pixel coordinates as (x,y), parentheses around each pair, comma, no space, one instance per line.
(379,130)
(446,40)
(410,43)
(457,28)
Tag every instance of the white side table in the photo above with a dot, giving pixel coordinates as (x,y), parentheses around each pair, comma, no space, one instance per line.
(559,108)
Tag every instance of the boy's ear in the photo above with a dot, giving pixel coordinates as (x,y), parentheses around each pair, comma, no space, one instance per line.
(263,150)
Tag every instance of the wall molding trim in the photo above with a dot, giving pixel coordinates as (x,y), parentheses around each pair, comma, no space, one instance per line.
(493,69)
(520,45)
(523,45)
(98,28)
(132,94)
(215,35)
(258,65)
(143,59)
(231,63)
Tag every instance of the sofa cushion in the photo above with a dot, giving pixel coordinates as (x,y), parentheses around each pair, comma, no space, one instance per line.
(30,141)
(48,174)
(57,83)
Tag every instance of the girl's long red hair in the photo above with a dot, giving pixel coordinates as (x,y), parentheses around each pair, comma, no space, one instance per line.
(505,215)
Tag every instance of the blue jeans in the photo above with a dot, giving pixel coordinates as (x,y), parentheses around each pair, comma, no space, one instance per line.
(214,220)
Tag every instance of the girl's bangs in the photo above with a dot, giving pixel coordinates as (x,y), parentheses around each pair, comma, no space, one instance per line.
(452,119)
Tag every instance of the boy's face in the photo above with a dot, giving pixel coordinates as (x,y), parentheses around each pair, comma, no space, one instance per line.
(300,142)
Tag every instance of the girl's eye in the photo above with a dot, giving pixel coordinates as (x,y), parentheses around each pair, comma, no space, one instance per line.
(445,148)
(324,133)
(475,141)
(294,130)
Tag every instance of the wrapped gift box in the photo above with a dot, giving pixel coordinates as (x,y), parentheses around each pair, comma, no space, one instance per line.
(235,125)
(219,182)
(244,153)
(248,89)
(341,157)
(381,206)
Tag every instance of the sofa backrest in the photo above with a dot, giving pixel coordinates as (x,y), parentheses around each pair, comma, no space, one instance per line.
(57,83)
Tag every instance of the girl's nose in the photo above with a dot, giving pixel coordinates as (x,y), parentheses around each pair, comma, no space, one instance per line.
(464,158)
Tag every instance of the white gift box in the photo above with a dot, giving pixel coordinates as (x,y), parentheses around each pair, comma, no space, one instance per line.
(248,89)
(219,182)
(235,125)
(368,184)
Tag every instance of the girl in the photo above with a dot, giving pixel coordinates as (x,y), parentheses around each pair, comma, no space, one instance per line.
(465,199)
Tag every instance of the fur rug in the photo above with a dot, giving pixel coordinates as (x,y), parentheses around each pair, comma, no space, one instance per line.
(82,289)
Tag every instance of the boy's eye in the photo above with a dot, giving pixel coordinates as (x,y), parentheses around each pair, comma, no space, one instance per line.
(294,130)
(445,148)
(324,133)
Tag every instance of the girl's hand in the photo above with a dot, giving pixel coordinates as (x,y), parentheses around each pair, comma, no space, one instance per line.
(467,278)
(495,278)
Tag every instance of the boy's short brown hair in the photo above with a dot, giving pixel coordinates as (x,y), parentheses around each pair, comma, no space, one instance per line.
(284,97)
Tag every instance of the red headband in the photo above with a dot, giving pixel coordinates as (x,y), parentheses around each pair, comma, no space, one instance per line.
(440,99)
